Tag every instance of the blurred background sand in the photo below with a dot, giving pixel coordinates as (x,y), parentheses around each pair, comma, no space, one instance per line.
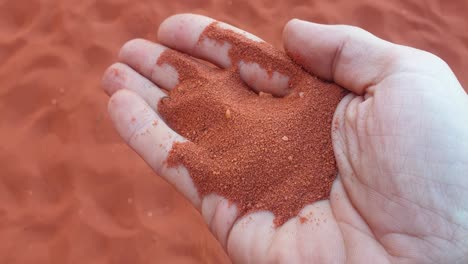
(70,190)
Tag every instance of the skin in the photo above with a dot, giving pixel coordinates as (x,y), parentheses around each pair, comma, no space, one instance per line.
(400,139)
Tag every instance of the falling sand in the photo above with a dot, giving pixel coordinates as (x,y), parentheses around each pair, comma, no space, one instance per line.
(259,151)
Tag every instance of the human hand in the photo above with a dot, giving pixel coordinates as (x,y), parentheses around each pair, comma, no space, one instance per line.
(400,141)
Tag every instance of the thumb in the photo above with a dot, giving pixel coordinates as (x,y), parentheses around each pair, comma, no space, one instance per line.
(351,56)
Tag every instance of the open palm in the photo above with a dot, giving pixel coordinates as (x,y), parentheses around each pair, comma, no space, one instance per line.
(400,140)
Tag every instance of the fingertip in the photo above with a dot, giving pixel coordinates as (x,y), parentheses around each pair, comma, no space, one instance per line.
(129,113)
(106,81)
(113,78)
(182,31)
(165,32)
(290,34)
(112,108)
(291,24)
(135,53)
(292,27)
(311,45)
(298,42)
(300,29)
(130,47)
(117,101)
(143,57)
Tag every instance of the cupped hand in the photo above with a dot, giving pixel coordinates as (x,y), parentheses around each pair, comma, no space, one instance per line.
(400,141)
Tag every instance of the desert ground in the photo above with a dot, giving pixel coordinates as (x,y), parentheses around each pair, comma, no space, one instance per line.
(71,191)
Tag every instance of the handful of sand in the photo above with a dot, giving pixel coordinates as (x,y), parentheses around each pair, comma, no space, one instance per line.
(260,152)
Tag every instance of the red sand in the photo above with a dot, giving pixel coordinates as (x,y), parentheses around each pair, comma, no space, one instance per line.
(259,152)
(70,190)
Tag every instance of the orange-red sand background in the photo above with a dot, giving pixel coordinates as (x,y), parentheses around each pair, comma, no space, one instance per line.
(70,190)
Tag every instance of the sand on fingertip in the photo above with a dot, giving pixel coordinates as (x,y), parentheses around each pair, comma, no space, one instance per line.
(66,178)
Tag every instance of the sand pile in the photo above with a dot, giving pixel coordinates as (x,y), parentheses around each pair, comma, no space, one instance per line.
(259,151)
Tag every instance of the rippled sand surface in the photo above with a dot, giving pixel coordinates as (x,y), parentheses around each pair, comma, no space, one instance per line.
(70,190)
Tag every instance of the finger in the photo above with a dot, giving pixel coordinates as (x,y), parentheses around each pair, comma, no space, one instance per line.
(151,138)
(158,63)
(188,33)
(183,32)
(120,76)
(350,56)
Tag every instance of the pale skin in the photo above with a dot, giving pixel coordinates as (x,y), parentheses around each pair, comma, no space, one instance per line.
(400,140)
